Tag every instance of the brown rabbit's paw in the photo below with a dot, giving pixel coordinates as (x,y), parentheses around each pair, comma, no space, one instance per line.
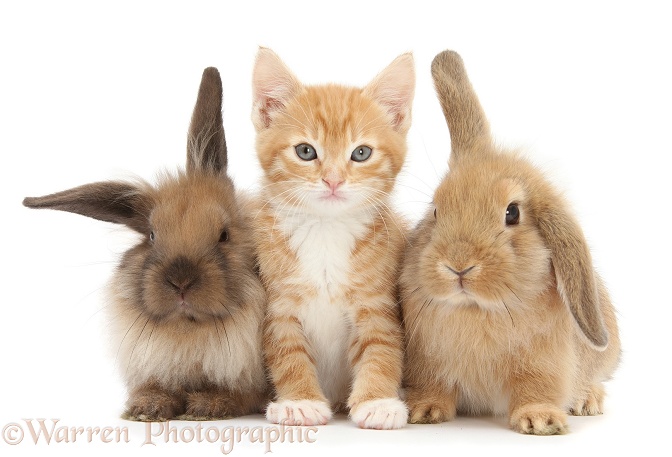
(539,419)
(209,406)
(431,413)
(152,407)
(591,405)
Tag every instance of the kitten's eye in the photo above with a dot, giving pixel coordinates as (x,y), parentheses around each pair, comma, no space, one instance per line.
(305,152)
(151,236)
(361,153)
(512,214)
(434,213)
(224,236)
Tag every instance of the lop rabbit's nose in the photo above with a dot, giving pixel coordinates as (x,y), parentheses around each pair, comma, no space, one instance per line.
(462,273)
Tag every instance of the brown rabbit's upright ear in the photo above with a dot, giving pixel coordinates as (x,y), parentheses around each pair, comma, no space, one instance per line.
(273,85)
(394,88)
(466,120)
(574,272)
(110,201)
(206,145)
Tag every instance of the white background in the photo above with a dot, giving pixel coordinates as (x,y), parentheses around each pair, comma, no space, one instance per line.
(98,90)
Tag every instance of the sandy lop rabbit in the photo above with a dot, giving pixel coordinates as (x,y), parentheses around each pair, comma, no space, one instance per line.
(502,308)
(185,303)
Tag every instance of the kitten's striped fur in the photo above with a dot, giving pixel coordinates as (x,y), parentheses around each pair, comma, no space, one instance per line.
(329,244)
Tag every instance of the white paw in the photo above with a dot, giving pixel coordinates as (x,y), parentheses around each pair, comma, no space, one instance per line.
(381,414)
(298,412)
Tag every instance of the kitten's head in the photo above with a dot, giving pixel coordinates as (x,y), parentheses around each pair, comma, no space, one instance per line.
(329,148)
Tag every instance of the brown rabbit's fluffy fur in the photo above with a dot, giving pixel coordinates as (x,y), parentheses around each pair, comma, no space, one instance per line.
(500,318)
(186,305)
(203,361)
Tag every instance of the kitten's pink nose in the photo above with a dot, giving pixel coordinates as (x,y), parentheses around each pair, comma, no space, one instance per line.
(333,183)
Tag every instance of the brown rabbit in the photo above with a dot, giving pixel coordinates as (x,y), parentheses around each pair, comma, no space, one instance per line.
(185,303)
(502,308)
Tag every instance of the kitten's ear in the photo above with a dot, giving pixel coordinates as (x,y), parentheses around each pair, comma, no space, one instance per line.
(394,88)
(273,85)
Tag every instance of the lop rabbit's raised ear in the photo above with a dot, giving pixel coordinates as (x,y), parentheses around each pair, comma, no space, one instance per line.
(466,120)
(110,201)
(206,144)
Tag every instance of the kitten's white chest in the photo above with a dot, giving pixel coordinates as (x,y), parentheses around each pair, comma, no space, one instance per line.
(324,250)
(324,247)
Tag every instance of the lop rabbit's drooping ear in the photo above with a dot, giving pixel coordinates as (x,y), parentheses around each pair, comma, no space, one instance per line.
(570,256)
(574,272)
(206,145)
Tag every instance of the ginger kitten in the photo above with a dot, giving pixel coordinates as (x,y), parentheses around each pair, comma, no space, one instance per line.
(329,244)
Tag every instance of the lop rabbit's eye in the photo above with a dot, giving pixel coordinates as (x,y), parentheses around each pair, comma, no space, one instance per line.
(305,152)
(151,236)
(224,236)
(512,214)
(361,153)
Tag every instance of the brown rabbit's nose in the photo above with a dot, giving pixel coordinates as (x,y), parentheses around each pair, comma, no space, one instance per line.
(181,274)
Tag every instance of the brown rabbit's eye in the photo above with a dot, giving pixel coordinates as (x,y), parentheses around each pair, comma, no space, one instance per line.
(434,213)
(224,236)
(151,236)
(512,214)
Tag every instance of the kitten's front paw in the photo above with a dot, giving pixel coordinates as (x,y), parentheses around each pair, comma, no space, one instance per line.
(380,414)
(539,419)
(298,412)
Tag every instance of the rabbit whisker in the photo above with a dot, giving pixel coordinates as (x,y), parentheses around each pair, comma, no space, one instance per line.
(219,336)
(130,357)
(126,334)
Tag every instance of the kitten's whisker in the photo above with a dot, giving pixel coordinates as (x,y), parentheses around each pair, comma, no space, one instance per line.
(308,119)
(375,119)
(388,211)
(424,146)
(382,218)
(271,200)
(356,129)
(404,171)
(287,201)
(292,117)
